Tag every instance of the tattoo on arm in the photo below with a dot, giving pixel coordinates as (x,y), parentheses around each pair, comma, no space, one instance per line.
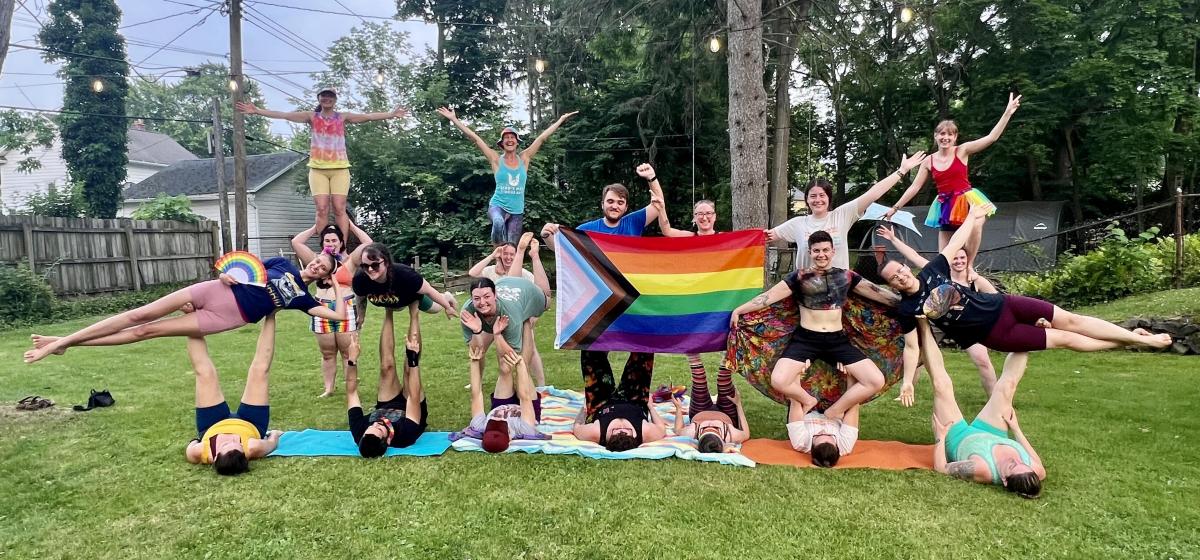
(962,470)
(760,299)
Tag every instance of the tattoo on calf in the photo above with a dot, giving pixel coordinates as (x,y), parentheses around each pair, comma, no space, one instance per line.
(963,470)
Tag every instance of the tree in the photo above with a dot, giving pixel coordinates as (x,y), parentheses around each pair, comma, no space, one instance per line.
(191,98)
(82,34)
(747,114)
(20,134)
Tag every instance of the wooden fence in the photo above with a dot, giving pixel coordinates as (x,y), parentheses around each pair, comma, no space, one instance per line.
(90,256)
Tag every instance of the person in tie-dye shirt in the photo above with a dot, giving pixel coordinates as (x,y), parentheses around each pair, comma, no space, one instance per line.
(328,166)
(511,169)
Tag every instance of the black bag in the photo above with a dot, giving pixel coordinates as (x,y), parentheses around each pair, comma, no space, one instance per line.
(96,400)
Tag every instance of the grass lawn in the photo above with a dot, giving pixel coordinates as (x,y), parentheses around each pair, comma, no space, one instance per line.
(1118,432)
(1167,303)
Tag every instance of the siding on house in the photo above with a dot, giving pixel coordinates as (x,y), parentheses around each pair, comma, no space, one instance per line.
(282,212)
(16,186)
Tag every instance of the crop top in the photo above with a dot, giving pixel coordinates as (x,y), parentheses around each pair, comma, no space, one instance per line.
(822,289)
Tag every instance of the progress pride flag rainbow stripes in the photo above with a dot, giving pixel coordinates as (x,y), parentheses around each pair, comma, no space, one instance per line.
(653,294)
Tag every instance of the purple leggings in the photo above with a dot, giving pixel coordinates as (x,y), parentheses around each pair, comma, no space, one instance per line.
(1016,328)
(506,228)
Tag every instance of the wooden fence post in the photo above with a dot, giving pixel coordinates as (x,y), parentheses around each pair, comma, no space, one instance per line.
(134,270)
(27,229)
(215,229)
(445,273)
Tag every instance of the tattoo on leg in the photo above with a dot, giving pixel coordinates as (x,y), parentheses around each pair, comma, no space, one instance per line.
(962,470)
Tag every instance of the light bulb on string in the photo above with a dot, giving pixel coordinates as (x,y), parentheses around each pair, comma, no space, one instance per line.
(714,44)
(539,65)
(97,85)
(233,85)
(379,77)
(906,14)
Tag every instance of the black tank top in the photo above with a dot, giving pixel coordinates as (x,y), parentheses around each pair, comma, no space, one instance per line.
(633,411)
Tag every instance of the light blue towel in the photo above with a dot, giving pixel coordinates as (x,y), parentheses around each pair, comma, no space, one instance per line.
(316,443)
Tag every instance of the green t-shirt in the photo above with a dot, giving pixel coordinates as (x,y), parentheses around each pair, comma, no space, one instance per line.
(518,299)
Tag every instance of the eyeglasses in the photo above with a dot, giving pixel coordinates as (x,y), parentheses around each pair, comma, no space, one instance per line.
(371,266)
(702,214)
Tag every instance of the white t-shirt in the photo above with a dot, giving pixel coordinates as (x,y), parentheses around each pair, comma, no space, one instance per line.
(837,223)
(489,272)
(815,423)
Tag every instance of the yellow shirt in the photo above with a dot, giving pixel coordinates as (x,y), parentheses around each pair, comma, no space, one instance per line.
(241,428)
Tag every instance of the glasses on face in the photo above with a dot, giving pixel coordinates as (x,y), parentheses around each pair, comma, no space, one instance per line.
(703,214)
(372,266)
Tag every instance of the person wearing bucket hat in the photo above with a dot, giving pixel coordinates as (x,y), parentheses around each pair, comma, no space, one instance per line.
(328,165)
(511,169)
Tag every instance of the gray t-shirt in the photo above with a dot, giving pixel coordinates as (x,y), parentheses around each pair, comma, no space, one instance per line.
(801,432)
(837,223)
(518,299)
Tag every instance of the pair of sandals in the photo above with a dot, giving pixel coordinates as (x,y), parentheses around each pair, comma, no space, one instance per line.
(34,402)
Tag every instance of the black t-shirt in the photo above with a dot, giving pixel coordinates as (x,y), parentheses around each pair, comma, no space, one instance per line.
(633,411)
(402,287)
(821,289)
(964,314)
(359,422)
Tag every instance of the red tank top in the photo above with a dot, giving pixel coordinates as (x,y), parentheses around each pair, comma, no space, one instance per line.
(342,276)
(953,179)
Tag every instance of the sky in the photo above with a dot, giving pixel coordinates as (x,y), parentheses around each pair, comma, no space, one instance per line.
(197,34)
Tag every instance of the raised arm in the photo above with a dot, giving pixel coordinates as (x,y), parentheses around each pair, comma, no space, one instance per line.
(980,144)
(338,313)
(664,223)
(303,117)
(743,434)
(776,293)
(884,185)
(1019,436)
(300,245)
(354,118)
(533,148)
(913,189)
(477,270)
(352,400)
(646,171)
(487,150)
(907,252)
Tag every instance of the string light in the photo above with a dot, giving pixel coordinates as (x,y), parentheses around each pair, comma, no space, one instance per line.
(97,86)
(714,44)
(233,85)
(540,66)
(906,14)
(379,77)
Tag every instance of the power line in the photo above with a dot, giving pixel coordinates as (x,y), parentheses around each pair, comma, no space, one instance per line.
(299,48)
(181,34)
(86,114)
(284,34)
(183,13)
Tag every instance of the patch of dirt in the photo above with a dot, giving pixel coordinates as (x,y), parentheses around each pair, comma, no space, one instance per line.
(10,415)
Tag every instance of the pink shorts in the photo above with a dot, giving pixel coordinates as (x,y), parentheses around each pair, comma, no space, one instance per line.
(1016,328)
(216,308)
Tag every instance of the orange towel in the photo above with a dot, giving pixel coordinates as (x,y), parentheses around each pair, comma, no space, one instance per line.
(868,454)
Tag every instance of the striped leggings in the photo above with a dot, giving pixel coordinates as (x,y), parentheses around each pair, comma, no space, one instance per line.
(701,399)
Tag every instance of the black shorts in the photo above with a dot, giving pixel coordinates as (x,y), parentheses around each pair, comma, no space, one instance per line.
(408,430)
(832,348)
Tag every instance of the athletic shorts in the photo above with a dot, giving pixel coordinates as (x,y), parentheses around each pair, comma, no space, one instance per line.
(259,415)
(408,430)
(329,181)
(960,430)
(216,308)
(537,403)
(321,325)
(832,348)
(1016,328)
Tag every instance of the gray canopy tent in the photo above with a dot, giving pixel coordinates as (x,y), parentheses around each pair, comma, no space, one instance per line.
(1000,250)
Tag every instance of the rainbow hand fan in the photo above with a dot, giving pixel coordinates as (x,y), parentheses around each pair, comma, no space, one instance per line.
(243,267)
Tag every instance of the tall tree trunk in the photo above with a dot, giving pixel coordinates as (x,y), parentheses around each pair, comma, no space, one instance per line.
(1076,195)
(747,114)
(1035,186)
(779,198)
(6,14)
(839,153)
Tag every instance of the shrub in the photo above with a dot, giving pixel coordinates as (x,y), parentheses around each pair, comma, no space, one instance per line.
(164,207)
(1119,267)
(64,203)
(24,296)
(1191,258)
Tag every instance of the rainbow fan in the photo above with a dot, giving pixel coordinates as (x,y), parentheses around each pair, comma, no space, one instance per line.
(243,267)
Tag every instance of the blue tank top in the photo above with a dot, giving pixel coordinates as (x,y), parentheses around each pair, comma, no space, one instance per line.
(982,443)
(510,187)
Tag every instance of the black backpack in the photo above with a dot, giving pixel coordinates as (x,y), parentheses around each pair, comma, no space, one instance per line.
(96,400)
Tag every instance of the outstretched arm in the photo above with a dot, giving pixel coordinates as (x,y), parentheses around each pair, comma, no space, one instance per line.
(873,292)
(302,117)
(352,399)
(884,185)
(533,148)
(913,189)
(440,298)
(355,118)
(776,293)
(907,252)
(646,171)
(338,313)
(1019,435)
(912,359)
(487,150)
(300,245)
(978,145)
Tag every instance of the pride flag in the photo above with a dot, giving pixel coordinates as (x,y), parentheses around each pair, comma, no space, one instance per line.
(653,294)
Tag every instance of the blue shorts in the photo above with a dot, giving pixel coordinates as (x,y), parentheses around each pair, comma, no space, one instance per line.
(252,413)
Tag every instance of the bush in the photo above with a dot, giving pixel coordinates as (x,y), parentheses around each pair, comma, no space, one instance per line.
(1191,258)
(67,203)
(1119,267)
(24,296)
(164,207)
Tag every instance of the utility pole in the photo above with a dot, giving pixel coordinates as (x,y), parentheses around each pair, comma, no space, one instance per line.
(238,85)
(218,144)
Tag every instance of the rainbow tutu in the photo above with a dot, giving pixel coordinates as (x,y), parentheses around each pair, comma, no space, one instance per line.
(951,209)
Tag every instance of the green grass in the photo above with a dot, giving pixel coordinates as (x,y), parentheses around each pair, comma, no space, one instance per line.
(1167,303)
(1117,430)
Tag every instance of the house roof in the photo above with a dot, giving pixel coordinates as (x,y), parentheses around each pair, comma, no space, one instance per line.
(155,148)
(199,176)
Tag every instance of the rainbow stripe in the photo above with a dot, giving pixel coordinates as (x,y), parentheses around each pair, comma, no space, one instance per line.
(653,294)
(243,266)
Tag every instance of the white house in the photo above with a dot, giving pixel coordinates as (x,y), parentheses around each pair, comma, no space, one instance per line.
(276,210)
(149,153)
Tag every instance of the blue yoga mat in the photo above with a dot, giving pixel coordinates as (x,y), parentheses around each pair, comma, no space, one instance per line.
(318,443)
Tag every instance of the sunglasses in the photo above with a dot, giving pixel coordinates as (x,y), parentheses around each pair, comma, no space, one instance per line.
(372,266)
